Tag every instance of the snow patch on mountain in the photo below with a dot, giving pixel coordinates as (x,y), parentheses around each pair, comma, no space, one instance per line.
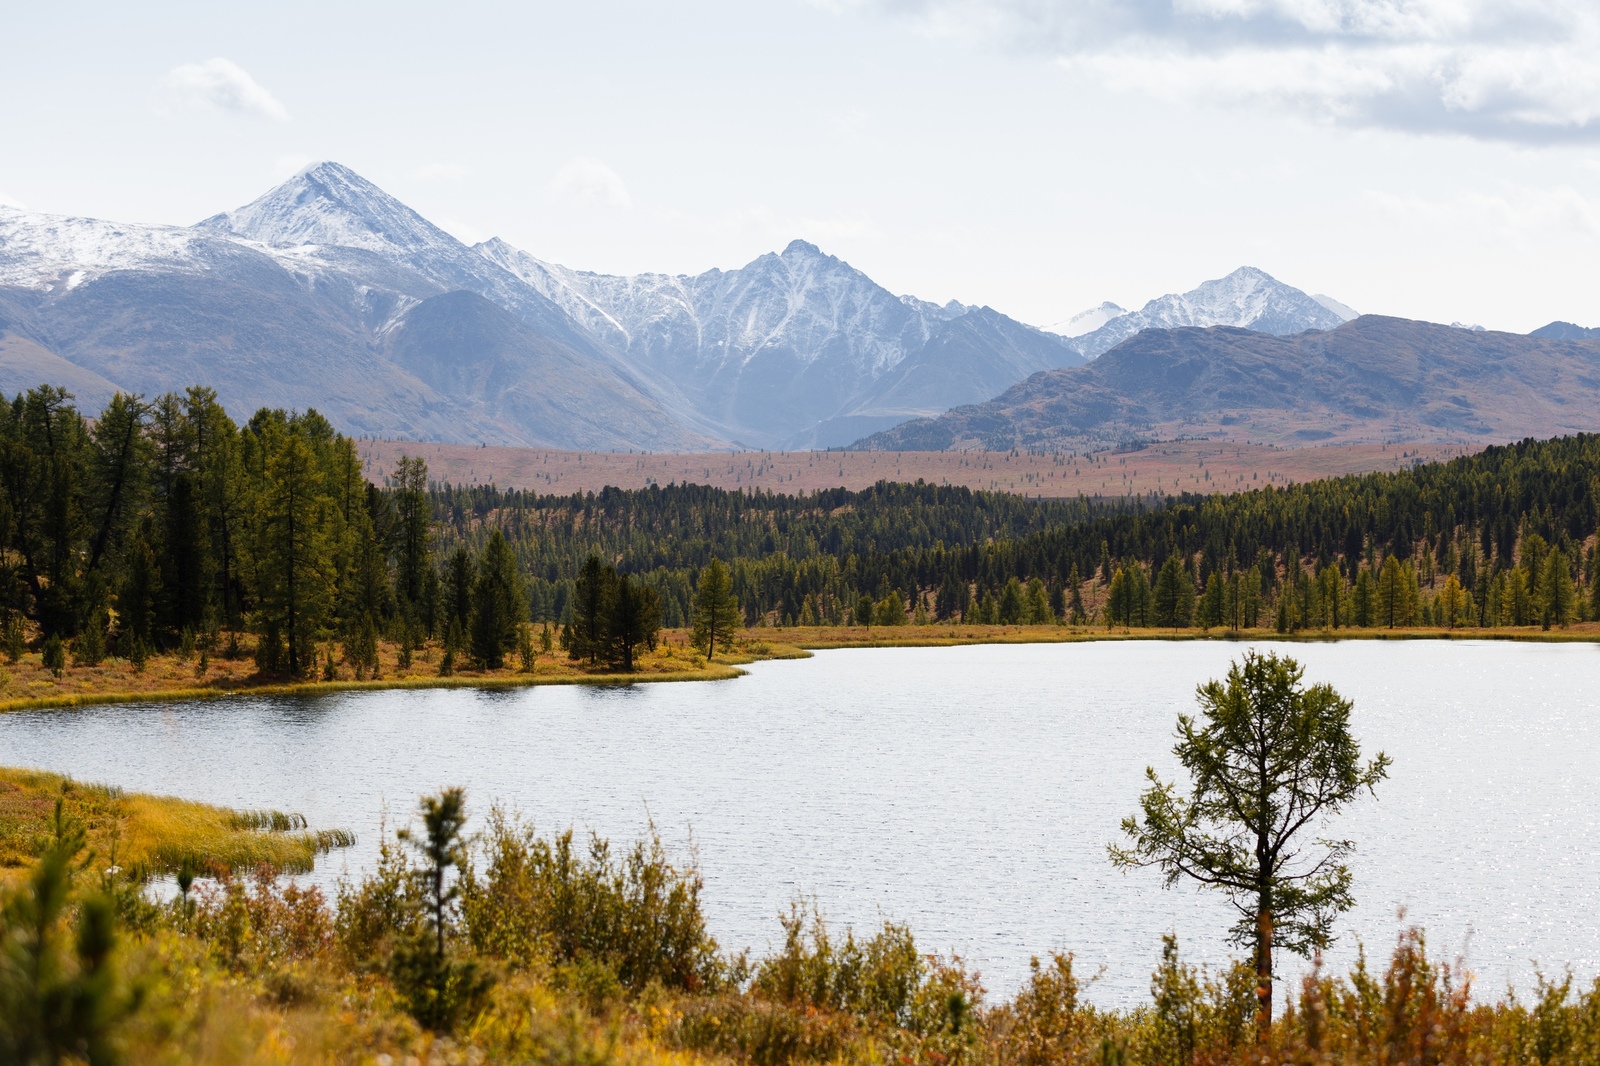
(1247,299)
(330,204)
(801,301)
(1087,321)
(1344,310)
(59,252)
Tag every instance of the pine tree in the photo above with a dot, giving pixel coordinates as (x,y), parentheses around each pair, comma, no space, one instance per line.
(1075,611)
(1012,608)
(457,592)
(414,513)
(1119,600)
(498,604)
(1211,610)
(1168,593)
(1560,597)
(1364,600)
(716,610)
(1038,604)
(591,596)
(633,621)
(296,584)
(1391,594)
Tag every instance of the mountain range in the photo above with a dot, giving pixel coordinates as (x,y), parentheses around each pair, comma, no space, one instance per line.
(328,292)
(1368,380)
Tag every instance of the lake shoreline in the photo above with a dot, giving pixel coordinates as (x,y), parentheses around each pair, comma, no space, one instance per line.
(675,660)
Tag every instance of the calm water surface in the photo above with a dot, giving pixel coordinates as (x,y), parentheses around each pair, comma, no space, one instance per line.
(967,791)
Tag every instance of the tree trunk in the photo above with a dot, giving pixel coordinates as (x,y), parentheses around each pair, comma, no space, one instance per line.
(1263,970)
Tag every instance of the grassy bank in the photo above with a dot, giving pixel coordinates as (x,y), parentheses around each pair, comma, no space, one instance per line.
(26,684)
(149,835)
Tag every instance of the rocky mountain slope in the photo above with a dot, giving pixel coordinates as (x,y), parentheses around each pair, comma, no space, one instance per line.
(326,291)
(1370,380)
(253,305)
(797,348)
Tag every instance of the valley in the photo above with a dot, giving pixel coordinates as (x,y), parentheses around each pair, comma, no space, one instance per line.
(1171,467)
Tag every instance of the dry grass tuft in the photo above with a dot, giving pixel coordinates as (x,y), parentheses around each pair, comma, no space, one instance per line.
(151,835)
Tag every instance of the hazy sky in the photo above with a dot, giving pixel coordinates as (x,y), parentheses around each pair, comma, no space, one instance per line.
(1436,159)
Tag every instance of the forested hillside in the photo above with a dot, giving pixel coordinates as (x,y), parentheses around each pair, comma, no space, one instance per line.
(165,524)
(1501,537)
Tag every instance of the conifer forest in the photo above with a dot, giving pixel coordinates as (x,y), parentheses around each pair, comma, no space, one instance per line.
(165,523)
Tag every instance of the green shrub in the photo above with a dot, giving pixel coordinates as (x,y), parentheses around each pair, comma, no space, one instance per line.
(54,655)
(544,900)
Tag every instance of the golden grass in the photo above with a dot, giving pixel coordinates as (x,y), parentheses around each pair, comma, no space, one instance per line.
(950,635)
(147,834)
(28,686)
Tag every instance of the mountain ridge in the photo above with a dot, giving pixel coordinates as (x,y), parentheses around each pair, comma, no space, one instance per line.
(1372,379)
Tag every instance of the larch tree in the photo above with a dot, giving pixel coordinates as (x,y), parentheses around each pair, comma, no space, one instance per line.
(295,579)
(716,609)
(1270,762)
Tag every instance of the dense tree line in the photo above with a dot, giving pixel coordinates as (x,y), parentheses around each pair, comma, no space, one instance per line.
(164,524)
(1503,537)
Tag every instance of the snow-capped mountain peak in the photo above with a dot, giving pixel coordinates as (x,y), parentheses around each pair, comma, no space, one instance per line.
(329,204)
(1088,321)
(1248,298)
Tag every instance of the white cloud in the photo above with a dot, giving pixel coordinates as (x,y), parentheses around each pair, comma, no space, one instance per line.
(1519,70)
(222,84)
(590,183)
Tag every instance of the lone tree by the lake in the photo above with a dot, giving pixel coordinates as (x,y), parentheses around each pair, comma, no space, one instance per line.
(1270,761)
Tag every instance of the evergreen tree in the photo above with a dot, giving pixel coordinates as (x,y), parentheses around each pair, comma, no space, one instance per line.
(1119,602)
(439,988)
(1288,749)
(1210,612)
(1037,603)
(633,622)
(457,591)
(716,610)
(1075,611)
(295,582)
(592,596)
(1168,596)
(1364,600)
(1560,597)
(498,605)
(1012,608)
(1391,594)
(891,610)
(410,486)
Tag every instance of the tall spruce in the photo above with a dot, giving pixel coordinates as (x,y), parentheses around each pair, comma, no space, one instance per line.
(498,606)
(592,596)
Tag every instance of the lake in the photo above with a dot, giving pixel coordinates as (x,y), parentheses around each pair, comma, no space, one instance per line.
(968,791)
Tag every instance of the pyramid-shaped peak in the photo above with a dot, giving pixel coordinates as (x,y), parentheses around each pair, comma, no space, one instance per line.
(798,247)
(1249,277)
(327,203)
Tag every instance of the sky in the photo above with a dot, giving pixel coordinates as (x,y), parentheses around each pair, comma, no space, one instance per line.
(1436,159)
